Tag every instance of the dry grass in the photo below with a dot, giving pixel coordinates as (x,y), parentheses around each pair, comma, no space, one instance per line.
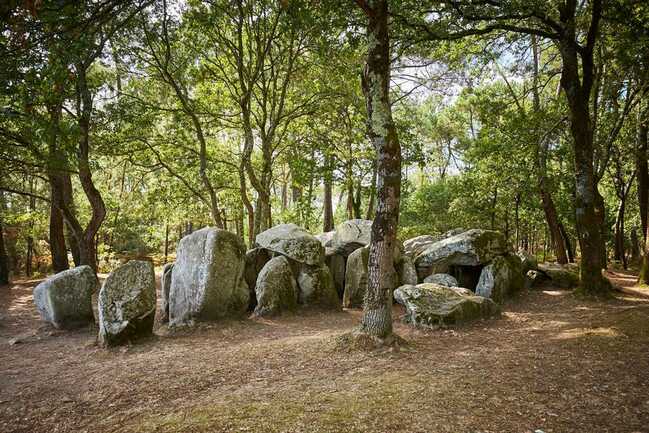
(551,362)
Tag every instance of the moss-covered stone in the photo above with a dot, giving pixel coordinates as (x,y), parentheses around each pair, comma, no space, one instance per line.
(207,281)
(501,278)
(293,242)
(276,288)
(563,277)
(470,248)
(65,299)
(127,303)
(432,305)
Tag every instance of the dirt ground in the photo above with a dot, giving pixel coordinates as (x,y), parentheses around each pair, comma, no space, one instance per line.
(552,363)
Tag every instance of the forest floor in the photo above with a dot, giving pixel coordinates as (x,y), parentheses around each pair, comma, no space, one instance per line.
(552,363)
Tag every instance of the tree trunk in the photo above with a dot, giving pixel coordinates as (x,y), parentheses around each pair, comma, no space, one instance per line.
(4,258)
(370,204)
(618,252)
(642,166)
(328,217)
(635,246)
(553,222)
(589,204)
(166,242)
(68,201)
(567,243)
(494,201)
(377,309)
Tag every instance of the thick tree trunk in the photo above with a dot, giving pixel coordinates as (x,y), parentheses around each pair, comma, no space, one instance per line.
(377,309)
(635,246)
(68,201)
(57,239)
(589,204)
(619,253)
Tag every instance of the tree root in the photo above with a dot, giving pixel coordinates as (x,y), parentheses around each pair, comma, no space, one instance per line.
(362,341)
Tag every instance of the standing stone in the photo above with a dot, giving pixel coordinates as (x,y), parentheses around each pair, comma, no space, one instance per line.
(317,287)
(442,279)
(407,271)
(276,289)
(207,281)
(501,278)
(293,242)
(65,299)
(165,287)
(127,302)
(356,278)
(256,259)
(352,235)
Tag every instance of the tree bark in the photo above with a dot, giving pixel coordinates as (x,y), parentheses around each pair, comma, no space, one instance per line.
(55,175)
(377,309)
(642,166)
(4,257)
(328,217)
(372,198)
(589,204)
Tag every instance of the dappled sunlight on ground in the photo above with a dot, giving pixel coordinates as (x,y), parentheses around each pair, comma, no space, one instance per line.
(552,362)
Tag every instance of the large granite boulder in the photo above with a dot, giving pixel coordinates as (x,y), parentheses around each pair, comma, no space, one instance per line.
(337,264)
(414,246)
(442,280)
(407,271)
(165,287)
(556,275)
(207,281)
(474,247)
(293,242)
(352,235)
(65,299)
(256,259)
(127,303)
(432,305)
(356,278)
(316,287)
(501,278)
(276,288)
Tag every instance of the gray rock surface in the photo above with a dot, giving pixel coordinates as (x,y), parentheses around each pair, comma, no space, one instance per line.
(501,278)
(352,235)
(276,288)
(414,246)
(562,277)
(356,278)
(256,259)
(441,279)
(407,271)
(316,287)
(470,248)
(293,242)
(337,264)
(432,305)
(127,303)
(326,238)
(65,299)
(207,281)
(165,287)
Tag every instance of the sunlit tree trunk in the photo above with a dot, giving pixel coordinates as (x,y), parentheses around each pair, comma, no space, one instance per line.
(377,308)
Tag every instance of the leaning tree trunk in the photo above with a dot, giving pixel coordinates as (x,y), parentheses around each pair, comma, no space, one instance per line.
(377,308)
(552,219)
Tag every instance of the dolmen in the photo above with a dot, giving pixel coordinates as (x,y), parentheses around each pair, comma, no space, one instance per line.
(478,260)
(347,255)
(65,299)
(289,272)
